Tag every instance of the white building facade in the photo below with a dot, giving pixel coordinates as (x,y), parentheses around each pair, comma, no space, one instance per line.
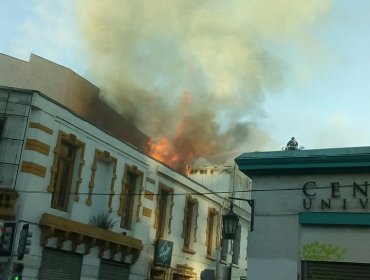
(65,177)
(215,178)
(311,214)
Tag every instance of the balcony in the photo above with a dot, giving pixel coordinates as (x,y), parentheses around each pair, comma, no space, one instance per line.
(91,236)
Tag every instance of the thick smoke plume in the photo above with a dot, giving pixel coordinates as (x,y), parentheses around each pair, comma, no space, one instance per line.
(191,73)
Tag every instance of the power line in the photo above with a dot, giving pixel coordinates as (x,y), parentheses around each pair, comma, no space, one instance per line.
(202,193)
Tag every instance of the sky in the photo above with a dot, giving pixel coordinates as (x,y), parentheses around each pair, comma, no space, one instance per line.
(323,94)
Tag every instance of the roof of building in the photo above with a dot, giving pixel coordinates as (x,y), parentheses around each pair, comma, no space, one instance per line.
(316,161)
(64,86)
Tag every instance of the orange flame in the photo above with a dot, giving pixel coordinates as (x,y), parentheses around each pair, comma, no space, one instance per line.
(161,149)
(165,149)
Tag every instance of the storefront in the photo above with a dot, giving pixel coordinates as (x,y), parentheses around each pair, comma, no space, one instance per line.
(312,218)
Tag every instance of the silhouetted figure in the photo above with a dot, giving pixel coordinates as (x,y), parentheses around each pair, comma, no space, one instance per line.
(292,144)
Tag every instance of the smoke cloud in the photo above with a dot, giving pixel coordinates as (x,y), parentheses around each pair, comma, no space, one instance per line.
(195,71)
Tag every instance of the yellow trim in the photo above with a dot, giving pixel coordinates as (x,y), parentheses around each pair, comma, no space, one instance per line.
(37,146)
(212,229)
(192,205)
(41,127)
(124,189)
(148,195)
(102,155)
(64,229)
(33,168)
(170,203)
(184,271)
(147,212)
(70,138)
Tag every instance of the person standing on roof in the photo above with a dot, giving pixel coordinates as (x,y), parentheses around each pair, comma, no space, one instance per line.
(292,144)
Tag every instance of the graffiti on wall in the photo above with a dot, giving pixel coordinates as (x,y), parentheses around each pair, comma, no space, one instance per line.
(317,251)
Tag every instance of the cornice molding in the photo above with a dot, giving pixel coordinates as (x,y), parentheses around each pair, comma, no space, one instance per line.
(323,161)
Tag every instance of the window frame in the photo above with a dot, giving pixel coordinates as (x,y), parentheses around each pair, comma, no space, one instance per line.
(107,157)
(125,212)
(55,180)
(65,164)
(212,233)
(190,223)
(162,210)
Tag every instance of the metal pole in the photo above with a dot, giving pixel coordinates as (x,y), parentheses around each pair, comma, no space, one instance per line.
(251,204)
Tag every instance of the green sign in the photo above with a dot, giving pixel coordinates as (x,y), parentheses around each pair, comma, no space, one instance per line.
(163,253)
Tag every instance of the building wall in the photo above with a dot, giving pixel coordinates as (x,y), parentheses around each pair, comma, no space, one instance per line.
(279,242)
(230,182)
(60,83)
(34,199)
(71,90)
(217,177)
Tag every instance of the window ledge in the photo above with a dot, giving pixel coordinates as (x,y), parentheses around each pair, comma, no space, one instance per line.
(184,272)
(188,251)
(64,229)
(211,258)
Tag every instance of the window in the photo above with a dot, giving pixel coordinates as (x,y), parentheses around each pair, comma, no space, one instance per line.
(102,180)
(190,224)
(132,181)
(63,170)
(163,211)
(62,184)
(212,232)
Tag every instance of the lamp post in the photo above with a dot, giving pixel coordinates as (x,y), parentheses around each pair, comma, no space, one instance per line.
(230,222)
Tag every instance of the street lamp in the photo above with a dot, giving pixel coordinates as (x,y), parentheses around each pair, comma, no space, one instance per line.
(230,223)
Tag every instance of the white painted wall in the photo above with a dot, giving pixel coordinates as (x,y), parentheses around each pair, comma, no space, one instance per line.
(34,199)
(231,183)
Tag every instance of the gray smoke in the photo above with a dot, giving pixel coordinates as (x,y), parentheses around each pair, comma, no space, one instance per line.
(191,70)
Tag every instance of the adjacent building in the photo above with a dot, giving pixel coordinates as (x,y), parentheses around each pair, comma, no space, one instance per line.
(98,206)
(216,177)
(312,214)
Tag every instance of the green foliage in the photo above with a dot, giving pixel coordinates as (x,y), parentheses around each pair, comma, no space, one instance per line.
(317,251)
(103,220)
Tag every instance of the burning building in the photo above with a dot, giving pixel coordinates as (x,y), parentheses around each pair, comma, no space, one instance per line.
(193,76)
(67,160)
